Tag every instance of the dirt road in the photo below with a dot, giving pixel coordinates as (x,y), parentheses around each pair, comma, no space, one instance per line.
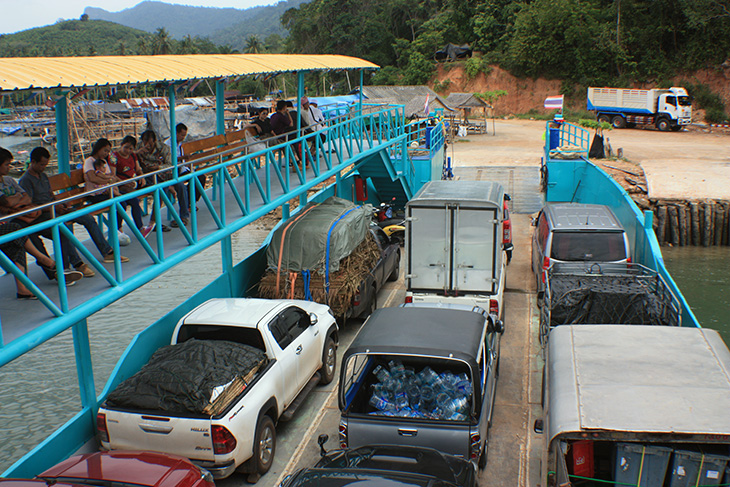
(685,165)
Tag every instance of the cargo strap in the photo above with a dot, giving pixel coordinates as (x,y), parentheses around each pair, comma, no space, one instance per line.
(327,256)
(281,245)
(306,280)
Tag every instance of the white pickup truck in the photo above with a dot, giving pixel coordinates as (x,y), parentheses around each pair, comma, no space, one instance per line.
(299,343)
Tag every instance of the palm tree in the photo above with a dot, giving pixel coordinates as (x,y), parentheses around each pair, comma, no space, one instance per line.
(253,45)
(162,42)
(186,46)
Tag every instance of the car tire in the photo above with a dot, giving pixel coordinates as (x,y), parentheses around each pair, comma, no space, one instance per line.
(264,446)
(663,125)
(396,270)
(329,362)
(482,462)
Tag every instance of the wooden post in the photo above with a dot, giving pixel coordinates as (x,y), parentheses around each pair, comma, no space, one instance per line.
(719,217)
(695,223)
(707,224)
(661,224)
(683,226)
(725,222)
(674,225)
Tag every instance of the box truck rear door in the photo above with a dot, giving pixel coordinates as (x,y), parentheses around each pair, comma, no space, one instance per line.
(475,235)
(429,244)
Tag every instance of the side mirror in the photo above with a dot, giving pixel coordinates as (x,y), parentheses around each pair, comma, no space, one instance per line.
(507,197)
(395,240)
(313,319)
(321,440)
(508,247)
(533,223)
(538,426)
(499,326)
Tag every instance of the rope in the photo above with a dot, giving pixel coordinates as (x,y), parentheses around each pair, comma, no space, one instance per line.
(292,281)
(327,255)
(281,245)
(699,473)
(306,280)
(641,465)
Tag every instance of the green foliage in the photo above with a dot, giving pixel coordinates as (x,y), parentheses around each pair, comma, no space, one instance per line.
(441,86)
(707,100)
(387,75)
(594,124)
(419,70)
(491,96)
(475,65)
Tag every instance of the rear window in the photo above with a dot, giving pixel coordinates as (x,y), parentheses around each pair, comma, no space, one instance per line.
(588,246)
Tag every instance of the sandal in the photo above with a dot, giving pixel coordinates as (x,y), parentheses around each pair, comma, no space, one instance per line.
(26,296)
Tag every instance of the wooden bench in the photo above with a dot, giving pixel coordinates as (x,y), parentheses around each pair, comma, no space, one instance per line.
(69,185)
(218,148)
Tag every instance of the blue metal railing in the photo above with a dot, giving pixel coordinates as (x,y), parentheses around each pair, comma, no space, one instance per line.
(258,182)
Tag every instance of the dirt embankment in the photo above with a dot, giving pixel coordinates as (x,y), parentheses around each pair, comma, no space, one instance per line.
(524,94)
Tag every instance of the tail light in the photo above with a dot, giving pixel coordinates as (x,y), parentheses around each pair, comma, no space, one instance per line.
(101,427)
(409,299)
(545,267)
(475,448)
(494,307)
(628,260)
(343,434)
(223,441)
(356,299)
(507,232)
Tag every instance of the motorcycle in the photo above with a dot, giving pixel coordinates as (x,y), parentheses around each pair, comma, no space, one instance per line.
(387,219)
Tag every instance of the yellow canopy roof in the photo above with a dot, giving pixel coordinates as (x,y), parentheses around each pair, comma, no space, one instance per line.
(22,73)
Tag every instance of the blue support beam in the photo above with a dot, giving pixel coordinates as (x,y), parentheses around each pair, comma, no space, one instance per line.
(220,102)
(173,132)
(62,135)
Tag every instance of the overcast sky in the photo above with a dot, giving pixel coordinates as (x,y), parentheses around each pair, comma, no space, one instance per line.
(17,15)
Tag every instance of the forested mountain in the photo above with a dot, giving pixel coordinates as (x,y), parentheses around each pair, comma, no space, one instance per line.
(223,26)
(98,37)
(609,42)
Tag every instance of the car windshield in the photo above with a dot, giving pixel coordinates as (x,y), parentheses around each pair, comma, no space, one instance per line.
(396,459)
(684,101)
(343,478)
(588,246)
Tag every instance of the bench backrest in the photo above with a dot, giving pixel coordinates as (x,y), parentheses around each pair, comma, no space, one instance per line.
(200,149)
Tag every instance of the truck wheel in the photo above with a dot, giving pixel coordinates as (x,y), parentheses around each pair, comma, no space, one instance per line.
(618,122)
(604,118)
(264,445)
(663,124)
(329,362)
(396,270)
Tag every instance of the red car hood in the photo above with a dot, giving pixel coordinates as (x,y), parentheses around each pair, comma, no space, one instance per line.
(135,467)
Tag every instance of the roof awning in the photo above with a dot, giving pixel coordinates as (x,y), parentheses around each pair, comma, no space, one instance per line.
(78,72)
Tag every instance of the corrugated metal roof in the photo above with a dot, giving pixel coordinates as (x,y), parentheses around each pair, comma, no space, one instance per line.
(466,100)
(76,72)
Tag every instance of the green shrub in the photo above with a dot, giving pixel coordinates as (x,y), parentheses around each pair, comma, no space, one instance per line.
(709,101)
(475,65)
(441,86)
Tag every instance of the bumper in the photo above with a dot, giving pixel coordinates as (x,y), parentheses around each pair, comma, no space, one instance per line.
(218,471)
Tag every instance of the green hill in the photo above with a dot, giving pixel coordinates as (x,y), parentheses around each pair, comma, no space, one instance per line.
(223,26)
(73,38)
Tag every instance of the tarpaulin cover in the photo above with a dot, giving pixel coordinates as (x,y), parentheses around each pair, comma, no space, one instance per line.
(452,52)
(305,236)
(181,378)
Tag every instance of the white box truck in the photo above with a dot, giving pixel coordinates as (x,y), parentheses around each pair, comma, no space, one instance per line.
(454,242)
(623,107)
